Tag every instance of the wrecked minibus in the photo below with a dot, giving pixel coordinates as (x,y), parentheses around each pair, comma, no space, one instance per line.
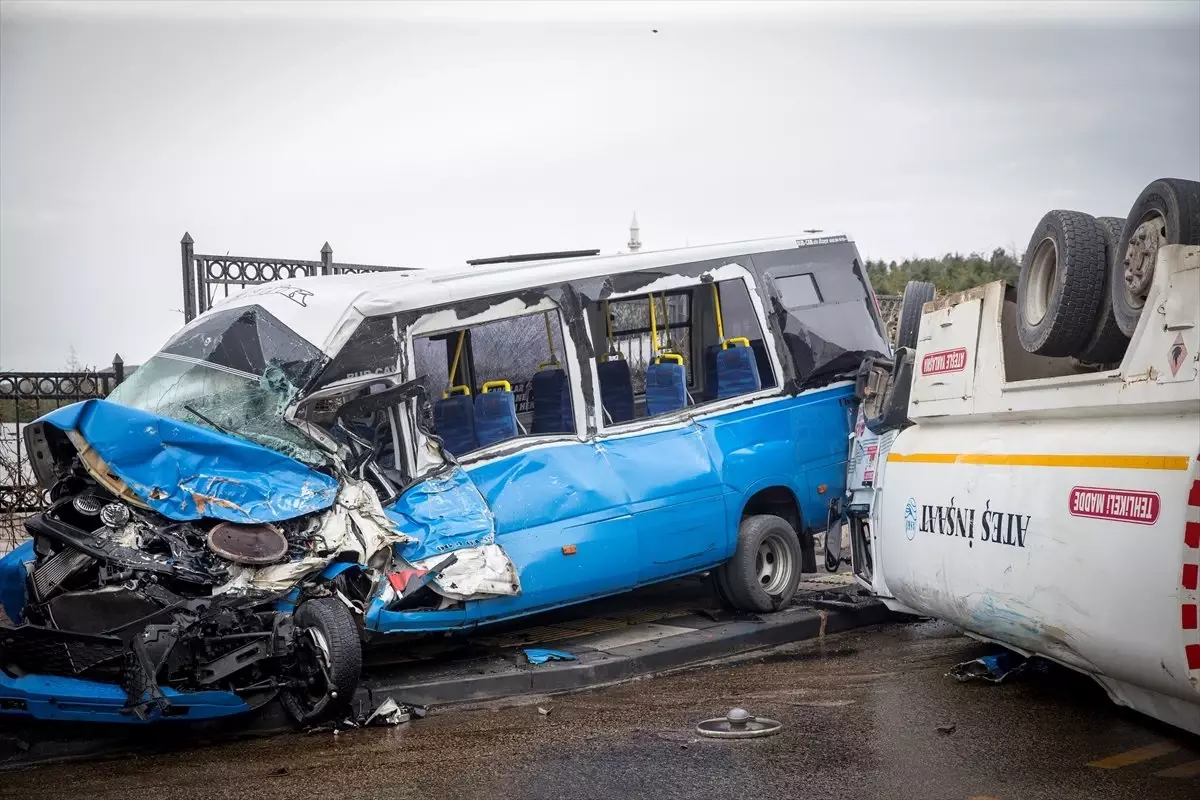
(1027,466)
(314,464)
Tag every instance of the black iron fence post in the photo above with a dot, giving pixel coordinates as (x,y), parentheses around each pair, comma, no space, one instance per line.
(189,277)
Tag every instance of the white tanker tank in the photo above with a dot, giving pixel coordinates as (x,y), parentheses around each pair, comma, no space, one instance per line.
(1028,468)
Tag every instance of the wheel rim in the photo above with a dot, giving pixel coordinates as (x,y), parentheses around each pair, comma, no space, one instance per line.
(774,564)
(313,666)
(1140,255)
(1043,271)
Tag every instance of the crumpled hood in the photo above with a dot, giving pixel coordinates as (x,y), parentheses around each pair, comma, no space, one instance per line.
(186,472)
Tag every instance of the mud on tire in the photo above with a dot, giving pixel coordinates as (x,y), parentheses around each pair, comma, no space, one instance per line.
(1062,280)
(325,670)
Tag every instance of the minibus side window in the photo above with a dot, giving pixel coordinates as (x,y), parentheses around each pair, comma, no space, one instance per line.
(497,381)
(630,332)
(735,359)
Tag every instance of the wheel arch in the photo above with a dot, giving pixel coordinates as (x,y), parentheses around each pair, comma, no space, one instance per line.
(781,500)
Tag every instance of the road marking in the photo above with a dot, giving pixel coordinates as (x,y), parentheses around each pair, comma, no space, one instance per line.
(1174,463)
(1135,756)
(1189,769)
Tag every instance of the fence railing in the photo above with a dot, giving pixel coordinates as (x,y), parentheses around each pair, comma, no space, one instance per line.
(25,396)
(209,278)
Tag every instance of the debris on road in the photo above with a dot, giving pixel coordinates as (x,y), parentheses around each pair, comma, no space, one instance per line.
(947,729)
(544,711)
(389,712)
(993,669)
(537,655)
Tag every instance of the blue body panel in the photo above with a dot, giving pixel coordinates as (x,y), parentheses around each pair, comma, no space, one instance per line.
(74,700)
(14,592)
(636,508)
(186,472)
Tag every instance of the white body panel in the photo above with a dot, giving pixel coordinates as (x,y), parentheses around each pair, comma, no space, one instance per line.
(1056,513)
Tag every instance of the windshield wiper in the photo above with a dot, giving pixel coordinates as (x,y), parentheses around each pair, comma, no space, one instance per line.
(218,426)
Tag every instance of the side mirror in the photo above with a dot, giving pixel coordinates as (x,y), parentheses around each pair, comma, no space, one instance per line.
(885,391)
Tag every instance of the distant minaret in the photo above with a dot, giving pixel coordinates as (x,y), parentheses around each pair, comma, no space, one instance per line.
(635,235)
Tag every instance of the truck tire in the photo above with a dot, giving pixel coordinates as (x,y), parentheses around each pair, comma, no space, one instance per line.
(916,295)
(1166,212)
(1062,279)
(328,661)
(1107,342)
(765,569)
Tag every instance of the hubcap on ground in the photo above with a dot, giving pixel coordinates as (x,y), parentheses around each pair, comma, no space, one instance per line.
(773,563)
(1042,272)
(1140,255)
(738,724)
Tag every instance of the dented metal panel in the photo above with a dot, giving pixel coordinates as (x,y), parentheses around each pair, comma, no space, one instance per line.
(187,472)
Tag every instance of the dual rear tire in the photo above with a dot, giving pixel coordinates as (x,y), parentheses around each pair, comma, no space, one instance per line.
(1084,280)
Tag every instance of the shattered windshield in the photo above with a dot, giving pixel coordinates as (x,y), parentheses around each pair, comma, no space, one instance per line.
(235,372)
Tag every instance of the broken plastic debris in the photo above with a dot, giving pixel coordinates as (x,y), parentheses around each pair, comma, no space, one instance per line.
(537,655)
(993,669)
(544,711)
(389,712)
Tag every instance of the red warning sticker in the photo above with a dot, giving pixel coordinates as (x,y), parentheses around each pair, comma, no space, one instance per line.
(944,361)
(1121,505)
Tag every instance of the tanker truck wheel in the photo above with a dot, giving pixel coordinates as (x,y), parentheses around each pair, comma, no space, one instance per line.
(1107,342)
(1167,212)
(1061,283)
(916,295)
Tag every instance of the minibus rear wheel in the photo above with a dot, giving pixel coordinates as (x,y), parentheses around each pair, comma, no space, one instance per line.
(765,569)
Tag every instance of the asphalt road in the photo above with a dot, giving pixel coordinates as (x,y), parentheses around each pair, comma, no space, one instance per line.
(861,714)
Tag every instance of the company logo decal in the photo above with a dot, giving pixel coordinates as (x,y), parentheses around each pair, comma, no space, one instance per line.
(910,519)
(971,524)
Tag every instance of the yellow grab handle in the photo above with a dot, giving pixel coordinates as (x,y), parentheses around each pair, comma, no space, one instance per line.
(489,385)
(544,364)
(460,388)
(612,354)
(678,359)
(744,341)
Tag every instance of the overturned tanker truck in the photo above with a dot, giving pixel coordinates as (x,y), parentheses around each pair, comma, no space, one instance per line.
(1027,466)
(315,463)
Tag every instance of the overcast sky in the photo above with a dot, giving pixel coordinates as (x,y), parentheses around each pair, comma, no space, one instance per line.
(424,135)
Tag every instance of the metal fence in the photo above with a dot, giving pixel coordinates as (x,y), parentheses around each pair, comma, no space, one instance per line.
(209,278)
(25,396)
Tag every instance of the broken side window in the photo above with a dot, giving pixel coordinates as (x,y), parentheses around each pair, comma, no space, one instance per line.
(373,349)
(497,381)
(629,336)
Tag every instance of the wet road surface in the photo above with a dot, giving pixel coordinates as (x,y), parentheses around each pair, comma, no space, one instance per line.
(861,714)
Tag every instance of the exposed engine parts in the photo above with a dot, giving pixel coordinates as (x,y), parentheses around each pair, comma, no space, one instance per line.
(248,544)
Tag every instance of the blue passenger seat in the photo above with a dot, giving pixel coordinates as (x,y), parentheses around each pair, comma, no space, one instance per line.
(616,389)
(454,418)
(495,415)
(666,387)
(737,371)
(551,395)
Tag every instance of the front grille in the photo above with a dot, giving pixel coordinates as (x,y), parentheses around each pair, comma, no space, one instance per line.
(50,652)
(56,569)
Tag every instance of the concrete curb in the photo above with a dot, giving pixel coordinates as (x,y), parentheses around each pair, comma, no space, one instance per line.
(30,744)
